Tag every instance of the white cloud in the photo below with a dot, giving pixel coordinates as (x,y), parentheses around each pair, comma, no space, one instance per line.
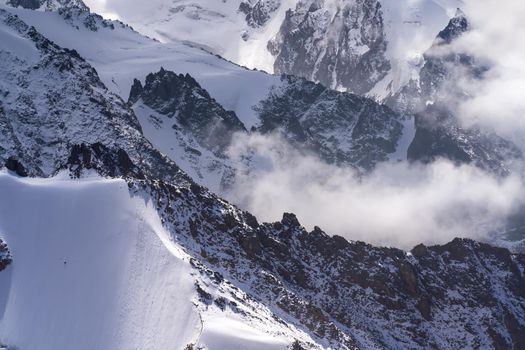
(397,204)
(497,36)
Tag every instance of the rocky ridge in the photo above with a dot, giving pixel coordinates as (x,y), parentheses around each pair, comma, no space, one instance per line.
(258,12)
(193,110)
(341,128)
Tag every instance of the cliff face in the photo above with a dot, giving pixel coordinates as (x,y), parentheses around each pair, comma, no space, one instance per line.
(342,128)
(338,46)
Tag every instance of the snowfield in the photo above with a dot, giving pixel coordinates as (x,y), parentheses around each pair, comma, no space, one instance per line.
(94,269)
(91,269)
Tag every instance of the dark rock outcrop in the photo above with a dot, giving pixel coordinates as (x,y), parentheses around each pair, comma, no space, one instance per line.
(440,135)
(341,128)
(14,165)
(5,256)
(258,12)
(192,109)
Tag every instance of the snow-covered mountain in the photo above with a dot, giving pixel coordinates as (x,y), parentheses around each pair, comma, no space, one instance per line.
(106,243)
(372,46)
(333,125)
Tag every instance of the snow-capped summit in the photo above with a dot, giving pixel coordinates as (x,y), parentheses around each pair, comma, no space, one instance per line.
(456,27)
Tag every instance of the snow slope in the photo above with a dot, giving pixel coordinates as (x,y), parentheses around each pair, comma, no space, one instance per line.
(217,26)
(120,55)
(200,164)
(411,27)
(91,269)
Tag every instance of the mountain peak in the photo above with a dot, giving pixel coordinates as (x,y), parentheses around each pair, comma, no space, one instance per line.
(459,13)
(455,28)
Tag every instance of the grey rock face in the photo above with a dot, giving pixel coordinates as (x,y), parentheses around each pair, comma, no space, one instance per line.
(439,134)
(342,128)
(92,21)
(437,82)
(180,97)
(339,47)
(258,12)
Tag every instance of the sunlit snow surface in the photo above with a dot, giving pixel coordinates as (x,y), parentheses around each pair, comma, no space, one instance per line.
(94,269)
(90,270)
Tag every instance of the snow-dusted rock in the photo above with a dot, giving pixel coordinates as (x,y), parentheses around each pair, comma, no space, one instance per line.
(192,109)
(258,12)
(5,255)
(339,45)
(341,128)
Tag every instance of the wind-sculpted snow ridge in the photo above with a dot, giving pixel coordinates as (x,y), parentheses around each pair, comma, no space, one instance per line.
(434,97)
(322,290)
